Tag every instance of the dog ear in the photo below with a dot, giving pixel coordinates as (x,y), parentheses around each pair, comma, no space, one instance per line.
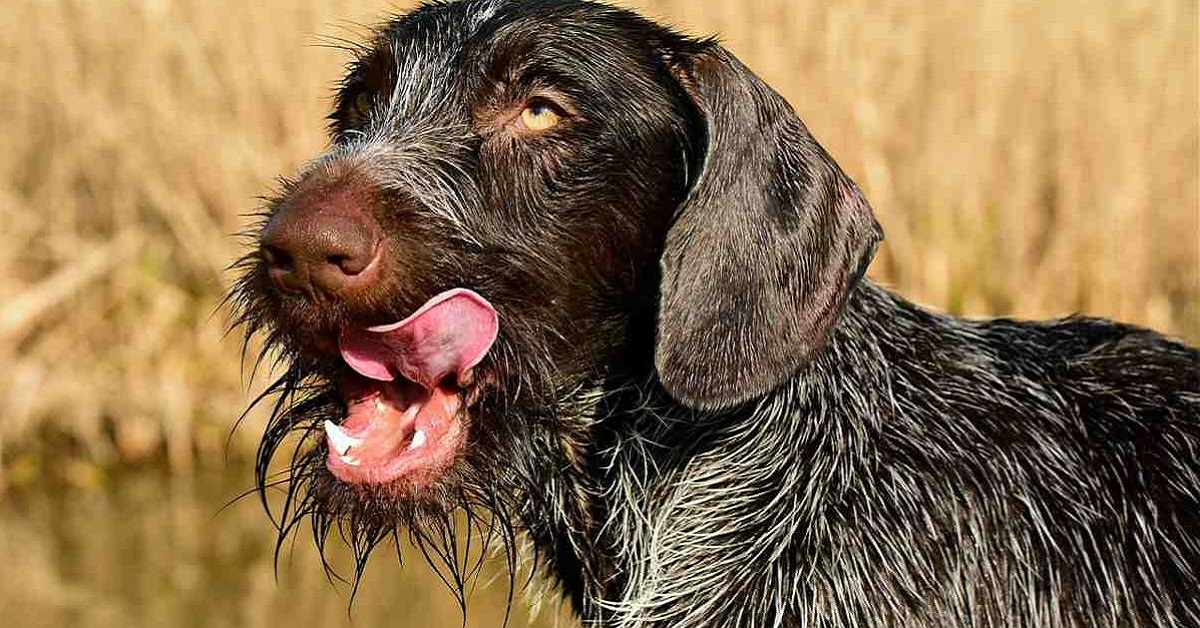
(764,250)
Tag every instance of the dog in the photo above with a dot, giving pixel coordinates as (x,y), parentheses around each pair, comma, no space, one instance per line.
(570,278)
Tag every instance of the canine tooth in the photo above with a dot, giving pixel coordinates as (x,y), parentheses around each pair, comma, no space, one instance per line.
(342,442)
(351,460)
(418,440)
(466,378)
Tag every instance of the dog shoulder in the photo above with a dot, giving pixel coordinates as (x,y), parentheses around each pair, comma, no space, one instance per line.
(1104,360)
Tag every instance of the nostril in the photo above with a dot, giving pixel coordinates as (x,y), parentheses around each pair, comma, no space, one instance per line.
(276,257)
(320,245)
(350,264)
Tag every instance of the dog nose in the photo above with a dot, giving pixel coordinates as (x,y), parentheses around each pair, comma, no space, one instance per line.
(319,247)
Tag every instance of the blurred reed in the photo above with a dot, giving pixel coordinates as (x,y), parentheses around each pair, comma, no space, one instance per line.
(156,550)
(1025,158)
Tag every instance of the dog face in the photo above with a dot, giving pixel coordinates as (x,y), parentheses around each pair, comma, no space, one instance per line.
(526,204)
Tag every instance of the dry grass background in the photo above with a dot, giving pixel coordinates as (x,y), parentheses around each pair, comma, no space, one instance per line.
(1025,158)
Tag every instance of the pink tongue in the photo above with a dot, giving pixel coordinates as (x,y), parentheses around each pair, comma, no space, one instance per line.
(449,334)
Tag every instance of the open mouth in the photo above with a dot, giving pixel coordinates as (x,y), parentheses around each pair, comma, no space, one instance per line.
(404,406)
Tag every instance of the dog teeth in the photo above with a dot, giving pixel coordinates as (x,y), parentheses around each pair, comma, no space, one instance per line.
(342,442)
(466,378)
(418,440)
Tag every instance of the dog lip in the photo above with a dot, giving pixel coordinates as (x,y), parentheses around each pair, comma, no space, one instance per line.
(324,345)
(393,431)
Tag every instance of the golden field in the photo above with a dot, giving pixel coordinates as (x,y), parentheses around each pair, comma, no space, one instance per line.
(1025,158)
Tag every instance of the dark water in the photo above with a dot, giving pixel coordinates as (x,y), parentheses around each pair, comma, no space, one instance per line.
(154,550)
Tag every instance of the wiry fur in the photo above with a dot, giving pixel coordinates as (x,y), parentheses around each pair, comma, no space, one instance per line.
(882,465)
(926,471)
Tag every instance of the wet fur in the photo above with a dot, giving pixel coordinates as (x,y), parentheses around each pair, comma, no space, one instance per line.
(869,463)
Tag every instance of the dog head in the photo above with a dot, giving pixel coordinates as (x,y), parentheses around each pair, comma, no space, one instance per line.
(525,203)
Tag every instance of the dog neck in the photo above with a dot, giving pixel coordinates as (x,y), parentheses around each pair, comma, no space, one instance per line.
(677,499)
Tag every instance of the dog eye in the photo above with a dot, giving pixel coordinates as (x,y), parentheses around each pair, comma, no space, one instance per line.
(363,102)
(540,115)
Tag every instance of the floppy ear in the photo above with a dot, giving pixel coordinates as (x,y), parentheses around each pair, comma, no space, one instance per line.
(765,249)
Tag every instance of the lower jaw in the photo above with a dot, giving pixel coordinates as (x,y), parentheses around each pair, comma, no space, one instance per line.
(438,418)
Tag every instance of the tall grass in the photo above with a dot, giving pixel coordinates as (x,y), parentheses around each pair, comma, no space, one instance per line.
(1025,158)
